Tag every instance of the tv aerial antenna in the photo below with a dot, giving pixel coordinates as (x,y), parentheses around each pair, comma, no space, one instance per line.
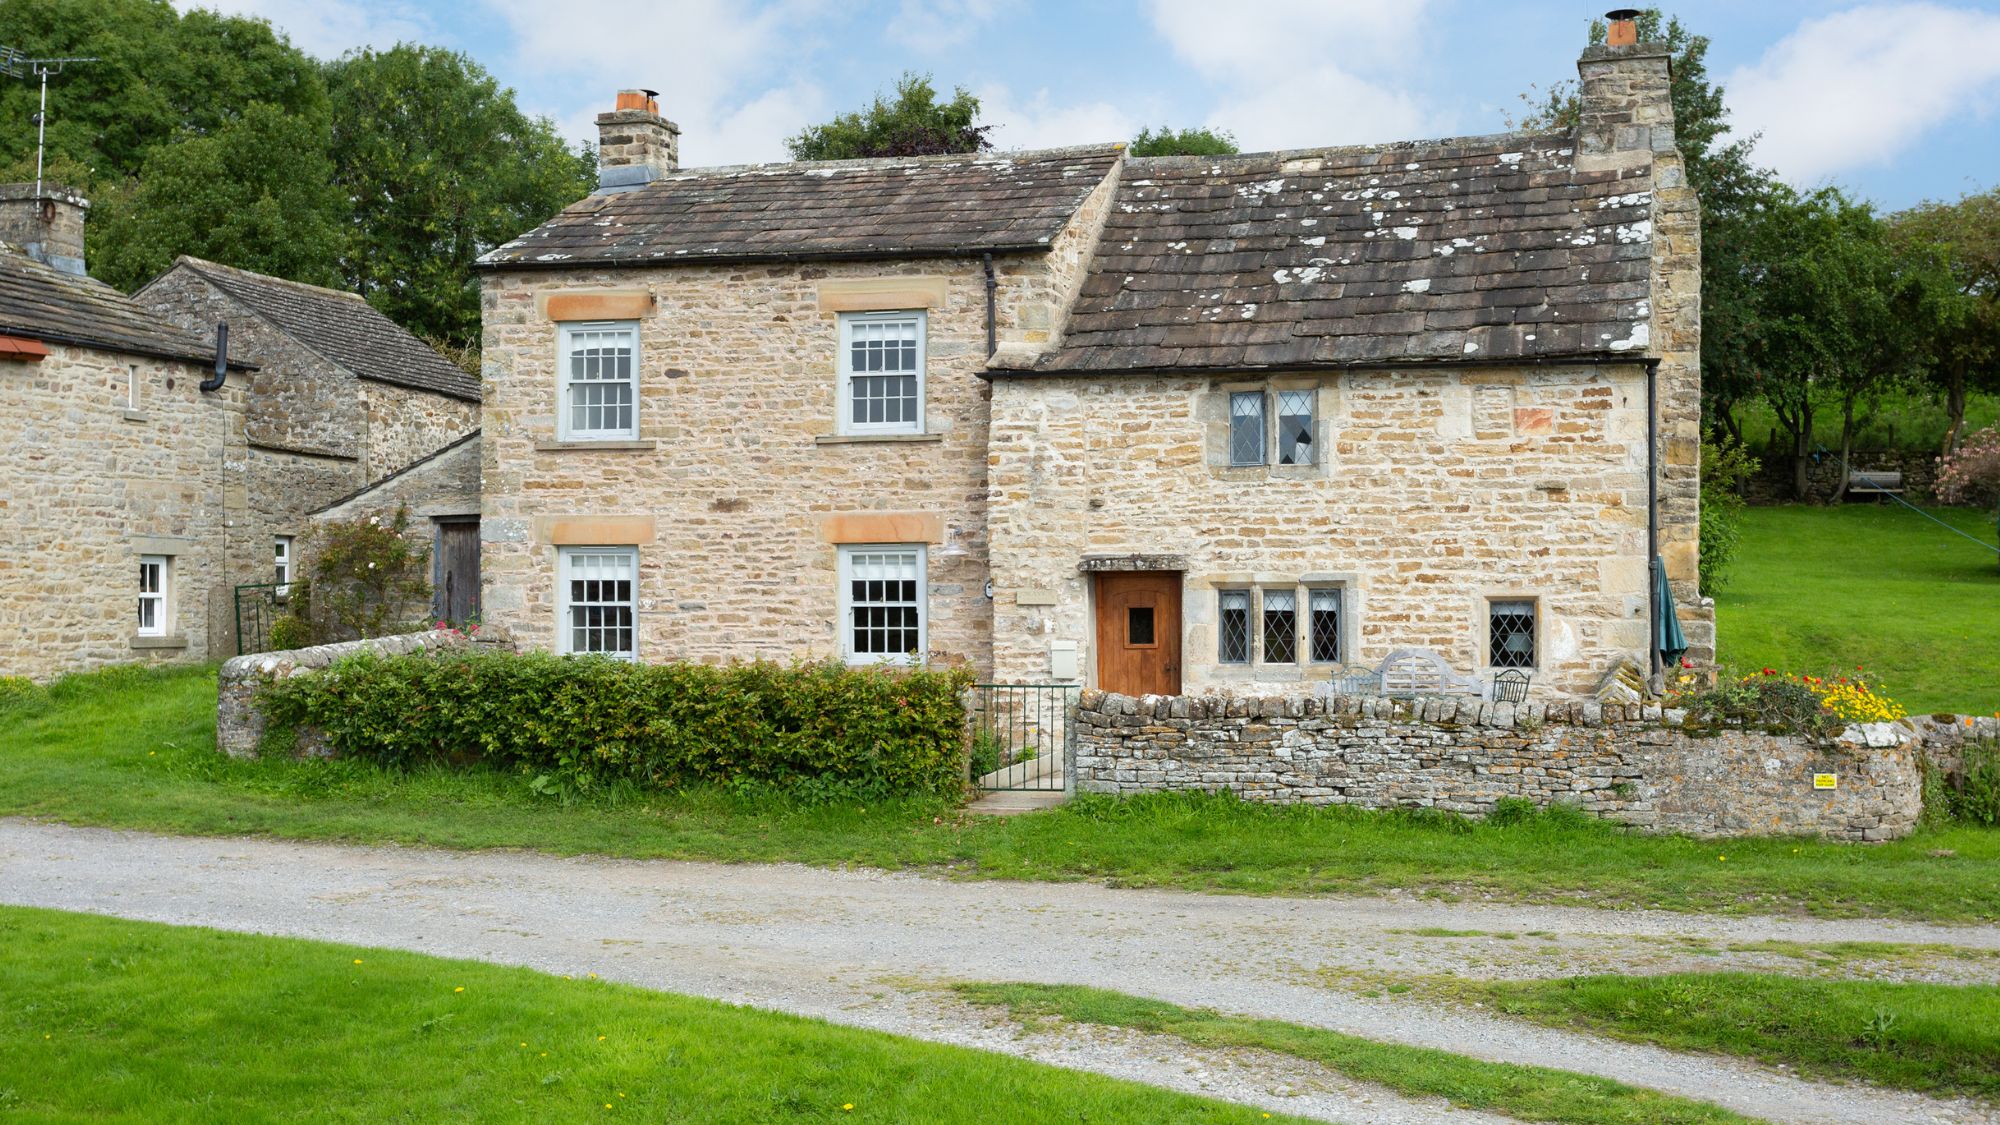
(15,63)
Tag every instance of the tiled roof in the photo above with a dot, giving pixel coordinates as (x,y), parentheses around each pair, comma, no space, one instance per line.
(343,328)
(919,206)
(1470,249)
(47,304)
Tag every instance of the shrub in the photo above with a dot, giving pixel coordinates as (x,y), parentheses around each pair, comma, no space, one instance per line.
(1970,474)
(1972,795)
(577,725)
(1723,470)
(367,580)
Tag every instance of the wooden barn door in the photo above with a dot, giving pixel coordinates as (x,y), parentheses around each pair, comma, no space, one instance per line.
(1139,632)
(455,593)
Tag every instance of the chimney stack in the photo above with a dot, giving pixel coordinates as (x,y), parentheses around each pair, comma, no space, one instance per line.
(635,145)
(46,224)
(1627,111)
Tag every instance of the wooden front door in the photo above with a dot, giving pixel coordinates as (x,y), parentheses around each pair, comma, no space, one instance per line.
(455,593)
(1139,632)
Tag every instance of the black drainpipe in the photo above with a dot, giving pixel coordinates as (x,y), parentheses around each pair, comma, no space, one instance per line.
(1652,514)
(221,358)
(992,344)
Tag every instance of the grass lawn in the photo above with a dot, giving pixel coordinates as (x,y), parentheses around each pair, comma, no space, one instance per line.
(135,749)
(1936,1038)
(1815,588)
(109,1021)
(1525,1093)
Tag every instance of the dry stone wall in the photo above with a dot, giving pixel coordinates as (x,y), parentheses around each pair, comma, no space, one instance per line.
(1632,764)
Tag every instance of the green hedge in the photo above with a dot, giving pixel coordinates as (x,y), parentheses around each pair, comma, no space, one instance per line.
(578,724)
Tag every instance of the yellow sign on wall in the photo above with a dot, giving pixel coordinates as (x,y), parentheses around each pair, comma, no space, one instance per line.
(1826,781)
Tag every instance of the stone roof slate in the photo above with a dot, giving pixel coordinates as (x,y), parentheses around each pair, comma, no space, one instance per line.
(342,327)
(1469,249)
(56,307)
(914,207)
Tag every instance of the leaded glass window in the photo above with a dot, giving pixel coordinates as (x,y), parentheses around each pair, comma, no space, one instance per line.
(599,585)
(1295,427)
(1512,628)
(1246,428)
(882,373)
(1324,625)
(1233,627)
(883,600)
(600,381)
(1281,626)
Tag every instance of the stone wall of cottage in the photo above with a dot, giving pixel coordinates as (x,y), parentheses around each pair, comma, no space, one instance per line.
(1631,764)
(442,486)
(406,425)
(92,484)
(1436,490)
(739,490)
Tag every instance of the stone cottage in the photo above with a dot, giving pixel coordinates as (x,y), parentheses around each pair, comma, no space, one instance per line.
(1151,424)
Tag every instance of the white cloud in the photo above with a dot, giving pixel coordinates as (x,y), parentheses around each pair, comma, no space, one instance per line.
(1862,86)
(329,28)
(936,25)
(1041,123)
(1344,88)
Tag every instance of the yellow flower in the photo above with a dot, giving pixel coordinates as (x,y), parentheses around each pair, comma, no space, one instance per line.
(524,1044)
(357,960)
(1722,859)
(600,1039)
(847,1108)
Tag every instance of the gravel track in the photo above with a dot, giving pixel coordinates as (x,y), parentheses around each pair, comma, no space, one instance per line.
(858,948)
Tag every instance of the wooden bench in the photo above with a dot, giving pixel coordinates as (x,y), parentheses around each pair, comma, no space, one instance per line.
(1876,483)
(1415,671)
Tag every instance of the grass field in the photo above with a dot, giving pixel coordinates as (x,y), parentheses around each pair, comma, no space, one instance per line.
(1935,1038)
(1822,588)
(135,749)
(115,1021)
(1524,1093)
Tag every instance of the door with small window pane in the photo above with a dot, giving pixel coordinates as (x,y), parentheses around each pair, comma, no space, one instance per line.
(1139,632)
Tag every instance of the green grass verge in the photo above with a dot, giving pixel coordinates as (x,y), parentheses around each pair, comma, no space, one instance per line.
(1819,589)
(135,749)
(112,1021)
(1935,1038)
(1528,1093)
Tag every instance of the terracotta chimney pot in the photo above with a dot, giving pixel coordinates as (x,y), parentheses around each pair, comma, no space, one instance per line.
(1624,30)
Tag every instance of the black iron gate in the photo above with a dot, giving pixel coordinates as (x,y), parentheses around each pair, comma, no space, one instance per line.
(1024,736)
(258,604)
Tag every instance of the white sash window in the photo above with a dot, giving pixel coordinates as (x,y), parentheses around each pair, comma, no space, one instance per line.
(883,596)
(599,587)
(600,381)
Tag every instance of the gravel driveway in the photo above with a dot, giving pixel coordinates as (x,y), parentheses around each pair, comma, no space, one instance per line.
(859,947)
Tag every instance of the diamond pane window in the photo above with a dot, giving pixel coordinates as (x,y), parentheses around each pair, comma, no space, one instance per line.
(883,599)
(152,595)
(1512,628)
(1324,607)
(1233,627)
(600,381)
(1246,428)
(1295,427)
(1281,626)
(882,373)
(598,588)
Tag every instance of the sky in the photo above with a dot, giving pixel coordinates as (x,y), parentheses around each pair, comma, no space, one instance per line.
(1896,101)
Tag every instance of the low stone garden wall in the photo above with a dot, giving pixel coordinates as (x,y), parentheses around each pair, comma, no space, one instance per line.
(1628,763)
(239,725)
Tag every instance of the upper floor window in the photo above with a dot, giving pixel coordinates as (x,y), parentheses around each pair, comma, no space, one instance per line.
(883,603)
(600,381)
(598,588)
(281,552)
(1246,428)
(1511,634)
(155,573)
(882,373)
(1295,427)
(1251,435)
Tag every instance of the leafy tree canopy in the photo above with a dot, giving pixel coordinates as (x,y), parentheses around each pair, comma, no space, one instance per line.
(1183,142)
(911,123)
(1966,237)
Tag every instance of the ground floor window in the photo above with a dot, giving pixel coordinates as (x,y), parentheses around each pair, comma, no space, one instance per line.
(1288,621)
(1233,627)
(1511,629)
(599,587)
(1324,625)
(155,574)
(281,549)
(1281,627)
(883,606)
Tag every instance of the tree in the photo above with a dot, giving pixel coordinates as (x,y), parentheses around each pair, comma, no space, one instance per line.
(1182,142)
(1966,235)
(437,165)
(914,123)
(257,194)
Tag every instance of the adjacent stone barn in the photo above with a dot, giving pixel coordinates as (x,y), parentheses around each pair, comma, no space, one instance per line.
(1154,425)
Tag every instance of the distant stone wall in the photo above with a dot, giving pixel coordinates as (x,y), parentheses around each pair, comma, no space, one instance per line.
(239,725)
(1630,764)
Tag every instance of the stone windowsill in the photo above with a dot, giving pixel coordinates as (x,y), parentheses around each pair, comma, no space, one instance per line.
(159,642)
(640,446)
(137,416)
(861,439)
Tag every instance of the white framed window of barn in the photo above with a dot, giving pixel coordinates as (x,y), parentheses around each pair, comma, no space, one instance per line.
(597,592)
(882,361)
(156,576)
(884,604)
(598,380)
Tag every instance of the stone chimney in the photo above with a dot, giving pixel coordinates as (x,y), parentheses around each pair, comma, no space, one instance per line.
(635,145)
(1626,112)
(47,224)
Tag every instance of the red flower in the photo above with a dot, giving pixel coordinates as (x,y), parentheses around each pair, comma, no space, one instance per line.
(1686,663)
(1770,672)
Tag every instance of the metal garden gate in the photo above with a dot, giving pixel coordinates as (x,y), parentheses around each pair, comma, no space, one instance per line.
(1024,736)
